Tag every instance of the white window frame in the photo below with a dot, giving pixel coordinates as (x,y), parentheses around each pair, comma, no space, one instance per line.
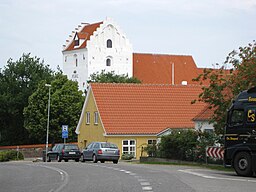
(96,117)
(88,118)
(133,152)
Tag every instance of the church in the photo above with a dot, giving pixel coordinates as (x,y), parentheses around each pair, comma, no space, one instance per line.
(101,46)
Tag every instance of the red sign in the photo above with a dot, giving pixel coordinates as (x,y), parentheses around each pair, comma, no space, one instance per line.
(215,152)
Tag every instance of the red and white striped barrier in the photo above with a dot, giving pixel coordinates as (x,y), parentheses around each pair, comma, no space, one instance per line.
(215,152)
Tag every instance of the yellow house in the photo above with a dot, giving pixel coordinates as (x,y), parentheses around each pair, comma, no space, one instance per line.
(134,115)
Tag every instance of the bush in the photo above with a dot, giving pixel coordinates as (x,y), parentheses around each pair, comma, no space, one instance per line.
(10,155)
(188,145)
(127,156)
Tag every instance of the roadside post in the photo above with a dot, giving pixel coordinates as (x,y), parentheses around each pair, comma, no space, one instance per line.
(64,132)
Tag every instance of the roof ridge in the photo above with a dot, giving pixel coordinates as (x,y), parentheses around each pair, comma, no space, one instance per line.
(147,84)
(162,54)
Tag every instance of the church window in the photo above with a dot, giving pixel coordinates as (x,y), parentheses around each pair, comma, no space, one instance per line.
(77,42)
(108,62)
(109,43)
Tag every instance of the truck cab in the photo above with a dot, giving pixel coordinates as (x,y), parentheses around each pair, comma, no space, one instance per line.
(240,134)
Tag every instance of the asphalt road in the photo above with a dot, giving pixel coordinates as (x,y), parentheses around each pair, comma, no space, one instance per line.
(89,177)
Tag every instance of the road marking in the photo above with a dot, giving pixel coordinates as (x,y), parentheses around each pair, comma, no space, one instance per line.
(143,182)
(190,171)
(64,177)
(148,188)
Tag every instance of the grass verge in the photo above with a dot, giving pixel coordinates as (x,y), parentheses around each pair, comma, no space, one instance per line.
(206,166)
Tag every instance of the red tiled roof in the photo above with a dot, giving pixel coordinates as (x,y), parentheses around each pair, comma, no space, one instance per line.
(145,109)
(157,68)
(85,33)
(205,114)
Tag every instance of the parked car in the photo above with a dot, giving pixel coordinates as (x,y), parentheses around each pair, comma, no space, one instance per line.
(64,151)
(101,151)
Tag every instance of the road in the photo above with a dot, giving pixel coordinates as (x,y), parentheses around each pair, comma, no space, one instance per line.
(89,177)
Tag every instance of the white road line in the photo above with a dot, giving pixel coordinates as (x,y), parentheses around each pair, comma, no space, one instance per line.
(189,171)
(145,183)
(148,188)
(64,177)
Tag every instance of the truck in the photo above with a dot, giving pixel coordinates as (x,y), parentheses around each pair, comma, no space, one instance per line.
(240,134)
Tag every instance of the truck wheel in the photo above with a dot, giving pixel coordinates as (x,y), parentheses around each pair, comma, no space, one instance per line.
(243,164)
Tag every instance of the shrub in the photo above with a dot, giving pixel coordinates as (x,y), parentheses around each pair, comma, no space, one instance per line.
(186,145)
(127,156)
(10,155)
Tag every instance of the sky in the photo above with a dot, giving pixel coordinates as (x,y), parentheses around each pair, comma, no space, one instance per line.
(205,29)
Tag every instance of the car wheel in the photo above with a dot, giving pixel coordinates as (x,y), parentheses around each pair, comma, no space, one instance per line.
(82,158)
(66,160)
(115,161)
(59,158)
(102,161)
(243,164)
(77,160)
(94,159)
(48,158)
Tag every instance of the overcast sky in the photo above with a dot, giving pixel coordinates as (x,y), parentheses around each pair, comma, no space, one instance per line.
(206,29)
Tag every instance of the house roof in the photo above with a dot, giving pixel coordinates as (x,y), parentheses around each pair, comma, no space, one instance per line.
(145,109)
(204,115)
(165,69)
(84,34)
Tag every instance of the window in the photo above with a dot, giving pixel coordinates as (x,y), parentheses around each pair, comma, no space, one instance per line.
(96,117)
(87,118)
(108,62)
(76,62)
(77,42)
(129,147)
(237,117)
(109,43)
(152,142)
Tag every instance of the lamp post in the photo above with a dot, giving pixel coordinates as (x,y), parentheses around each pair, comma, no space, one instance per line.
(47,130)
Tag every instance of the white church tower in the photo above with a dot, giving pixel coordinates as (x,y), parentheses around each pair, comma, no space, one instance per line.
(95,47)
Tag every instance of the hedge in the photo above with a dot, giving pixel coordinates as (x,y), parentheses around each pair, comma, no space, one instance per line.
(10,155)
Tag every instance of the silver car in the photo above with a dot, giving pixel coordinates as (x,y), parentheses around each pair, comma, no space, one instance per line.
(100,151)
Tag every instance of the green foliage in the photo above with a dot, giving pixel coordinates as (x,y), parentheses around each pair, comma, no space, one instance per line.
(126,156)
(65,108)
(186,145)
(110,77)
(151,150)
(10,155)
(225,84)
(18,81)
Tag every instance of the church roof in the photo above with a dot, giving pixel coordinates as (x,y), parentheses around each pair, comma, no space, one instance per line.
(165,69)
(145,109)
(84,34)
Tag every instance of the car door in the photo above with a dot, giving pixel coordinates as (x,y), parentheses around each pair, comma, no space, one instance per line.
(87,152)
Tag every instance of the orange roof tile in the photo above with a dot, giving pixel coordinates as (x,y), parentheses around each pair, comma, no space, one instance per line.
(157,68)
(85,33)
(145,109)
(205,114)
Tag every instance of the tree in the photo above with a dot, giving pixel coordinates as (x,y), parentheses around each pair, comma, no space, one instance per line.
(111,77)
(65,108)
(18,81)
(225,84)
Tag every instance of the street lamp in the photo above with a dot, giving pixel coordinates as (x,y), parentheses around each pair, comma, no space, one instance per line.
(47,132)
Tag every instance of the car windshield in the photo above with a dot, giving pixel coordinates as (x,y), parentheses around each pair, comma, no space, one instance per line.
(69,147)
(108,145)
